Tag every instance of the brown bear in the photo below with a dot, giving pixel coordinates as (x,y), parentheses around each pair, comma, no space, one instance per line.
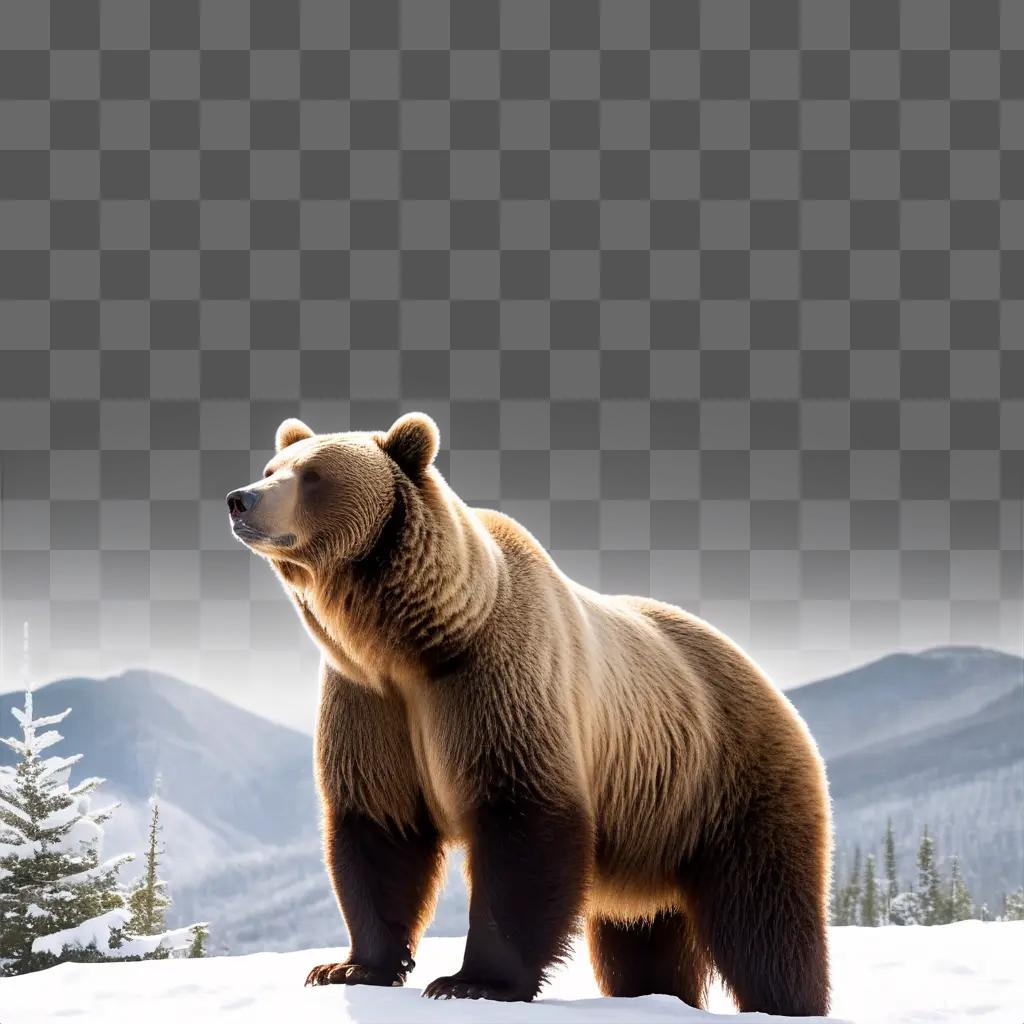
(605,758)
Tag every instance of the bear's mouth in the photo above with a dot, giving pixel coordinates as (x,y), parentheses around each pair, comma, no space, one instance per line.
(249,535)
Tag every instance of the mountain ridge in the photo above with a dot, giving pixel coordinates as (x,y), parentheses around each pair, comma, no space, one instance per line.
(929,687)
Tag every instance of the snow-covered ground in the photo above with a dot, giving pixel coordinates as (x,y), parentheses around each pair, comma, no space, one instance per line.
(962,972)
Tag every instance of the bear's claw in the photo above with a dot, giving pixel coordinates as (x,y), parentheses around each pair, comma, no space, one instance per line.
(357,974)
(454,987)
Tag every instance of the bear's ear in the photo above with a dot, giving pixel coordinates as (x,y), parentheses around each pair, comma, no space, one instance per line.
(289,432)
(412,442)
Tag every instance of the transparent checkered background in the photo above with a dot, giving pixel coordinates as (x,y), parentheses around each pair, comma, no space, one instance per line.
(724,301)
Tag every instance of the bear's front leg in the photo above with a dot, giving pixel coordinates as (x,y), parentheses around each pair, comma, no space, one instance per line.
(527,867)
(386,884)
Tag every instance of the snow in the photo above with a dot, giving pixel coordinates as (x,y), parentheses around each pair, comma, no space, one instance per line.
(99,871)
(144,945)
(59,768)
(25,719)
(96,932)
(11,809)
(966,972)
(23,851)
(85,832)
(61,817)
(87,784)
(33,743)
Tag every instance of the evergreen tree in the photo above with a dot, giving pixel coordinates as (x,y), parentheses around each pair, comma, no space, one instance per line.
(905,909)
(199,936)
(149,900)
(846,898)
(837,894)
(869,900)
(960,906)
(929,884)
(149,903)
(1013,905)
(892,883)
(853,891)
(58,900)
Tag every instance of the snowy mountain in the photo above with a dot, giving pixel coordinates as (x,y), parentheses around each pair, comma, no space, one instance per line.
(903,693)
(936,737)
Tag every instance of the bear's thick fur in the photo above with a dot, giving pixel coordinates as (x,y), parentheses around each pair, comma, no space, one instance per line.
(605,758)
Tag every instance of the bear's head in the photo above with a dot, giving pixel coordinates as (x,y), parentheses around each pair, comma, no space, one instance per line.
(325,498)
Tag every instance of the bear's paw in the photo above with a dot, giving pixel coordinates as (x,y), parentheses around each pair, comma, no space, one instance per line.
(348,973)
(458,986)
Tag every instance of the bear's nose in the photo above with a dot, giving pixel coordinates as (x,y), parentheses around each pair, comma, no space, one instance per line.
(242,501)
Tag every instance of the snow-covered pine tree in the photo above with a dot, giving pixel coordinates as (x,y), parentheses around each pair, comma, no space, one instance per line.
(1013,905)
(869,899)
(149,900)
(892,882)
(959,906)
(149,903)
(905,909)
(58,900)
(929,884)
(199,936)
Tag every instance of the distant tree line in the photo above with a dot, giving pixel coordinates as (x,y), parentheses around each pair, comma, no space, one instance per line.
(873,896)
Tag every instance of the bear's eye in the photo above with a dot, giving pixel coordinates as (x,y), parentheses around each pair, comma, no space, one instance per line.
(267,472)
(310,476)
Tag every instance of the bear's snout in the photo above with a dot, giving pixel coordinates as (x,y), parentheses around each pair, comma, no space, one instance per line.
(241,502)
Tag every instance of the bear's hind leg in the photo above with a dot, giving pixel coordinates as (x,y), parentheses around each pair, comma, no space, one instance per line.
(660,955)
(759,909)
